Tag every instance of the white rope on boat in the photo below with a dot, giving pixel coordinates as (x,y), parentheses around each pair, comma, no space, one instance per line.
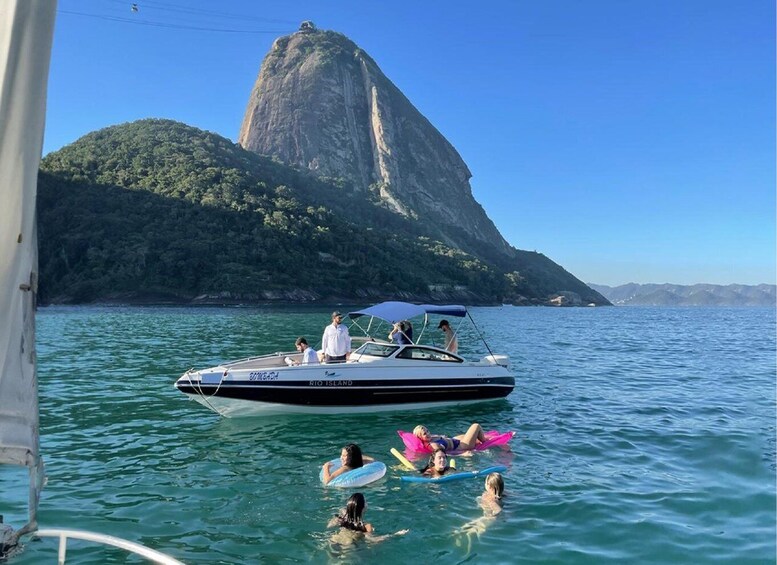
(198,388)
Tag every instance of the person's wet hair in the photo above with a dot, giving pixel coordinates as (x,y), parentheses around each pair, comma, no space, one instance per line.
(353,456)
(351,518)
(496,483)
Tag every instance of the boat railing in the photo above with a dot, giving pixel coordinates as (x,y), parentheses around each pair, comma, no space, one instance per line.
(277,354)
(132,547)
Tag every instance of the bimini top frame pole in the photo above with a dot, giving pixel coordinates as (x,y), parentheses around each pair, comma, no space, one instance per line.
(394,311)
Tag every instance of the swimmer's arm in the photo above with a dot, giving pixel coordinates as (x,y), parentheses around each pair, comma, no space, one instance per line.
(334,521)
(374,538)
(328,476)
(368,459)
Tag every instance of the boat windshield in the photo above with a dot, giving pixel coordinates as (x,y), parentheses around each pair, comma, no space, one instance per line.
(425,354)
(377,349)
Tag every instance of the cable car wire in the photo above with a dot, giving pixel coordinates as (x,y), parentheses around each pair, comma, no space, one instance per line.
(164,6)
(136,21)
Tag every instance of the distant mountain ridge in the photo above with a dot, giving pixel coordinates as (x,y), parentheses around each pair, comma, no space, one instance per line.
(633,294)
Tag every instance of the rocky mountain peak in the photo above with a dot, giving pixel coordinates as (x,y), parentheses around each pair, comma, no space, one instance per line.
(320,102)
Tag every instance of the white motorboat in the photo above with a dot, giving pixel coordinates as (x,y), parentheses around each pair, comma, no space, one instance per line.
(378,376)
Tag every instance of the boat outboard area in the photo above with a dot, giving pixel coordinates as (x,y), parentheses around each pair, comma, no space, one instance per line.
(379,375)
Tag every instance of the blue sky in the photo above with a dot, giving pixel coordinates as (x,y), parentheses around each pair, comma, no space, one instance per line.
(628,141)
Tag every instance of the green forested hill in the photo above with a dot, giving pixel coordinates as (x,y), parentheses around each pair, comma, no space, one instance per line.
(160,210)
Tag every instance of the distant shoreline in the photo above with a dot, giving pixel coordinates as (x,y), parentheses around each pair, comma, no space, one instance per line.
(634,294)
(340,304)
(302,297)
(329,302)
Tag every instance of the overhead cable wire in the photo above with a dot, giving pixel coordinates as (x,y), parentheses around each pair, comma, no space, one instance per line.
(135,21)
(152,4)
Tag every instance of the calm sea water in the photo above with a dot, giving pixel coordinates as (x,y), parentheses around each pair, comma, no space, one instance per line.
(644,435)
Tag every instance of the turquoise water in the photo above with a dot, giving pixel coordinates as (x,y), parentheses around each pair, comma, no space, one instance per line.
(644,435)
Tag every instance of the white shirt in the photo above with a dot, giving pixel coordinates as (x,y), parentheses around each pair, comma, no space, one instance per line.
(309,356)
(336,340)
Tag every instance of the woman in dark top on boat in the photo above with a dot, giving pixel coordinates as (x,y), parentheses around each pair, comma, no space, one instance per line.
(401,333)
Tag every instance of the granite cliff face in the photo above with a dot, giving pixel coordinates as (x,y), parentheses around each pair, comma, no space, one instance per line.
(322,103)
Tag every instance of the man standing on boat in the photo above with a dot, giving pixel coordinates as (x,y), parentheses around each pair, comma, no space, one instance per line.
(451,343)
(336,342)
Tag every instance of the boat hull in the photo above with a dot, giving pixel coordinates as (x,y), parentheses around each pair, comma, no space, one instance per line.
(238,408)
(333,389)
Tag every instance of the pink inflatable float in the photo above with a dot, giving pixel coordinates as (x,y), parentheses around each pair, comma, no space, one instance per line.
(493,438)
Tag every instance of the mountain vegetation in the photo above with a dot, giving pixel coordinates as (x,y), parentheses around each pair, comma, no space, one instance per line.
(157,210)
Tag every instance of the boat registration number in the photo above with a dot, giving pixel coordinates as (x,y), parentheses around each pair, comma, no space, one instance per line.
(263,376)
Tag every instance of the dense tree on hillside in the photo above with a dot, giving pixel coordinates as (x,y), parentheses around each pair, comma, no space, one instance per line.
(159,209)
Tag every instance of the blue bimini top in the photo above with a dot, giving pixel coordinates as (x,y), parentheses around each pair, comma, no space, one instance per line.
(397,311)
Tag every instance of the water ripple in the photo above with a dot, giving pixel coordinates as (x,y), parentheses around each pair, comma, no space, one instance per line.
(645,435)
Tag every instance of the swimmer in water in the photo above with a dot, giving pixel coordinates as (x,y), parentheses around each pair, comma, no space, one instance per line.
(351,458)
(351,525)
(437,465)
(491,501)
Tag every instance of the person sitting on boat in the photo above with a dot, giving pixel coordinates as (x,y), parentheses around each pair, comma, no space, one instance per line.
(437,465)
(309,355)
(351,458)
(336,341)
(451,343)
(399,334)
(464,442)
